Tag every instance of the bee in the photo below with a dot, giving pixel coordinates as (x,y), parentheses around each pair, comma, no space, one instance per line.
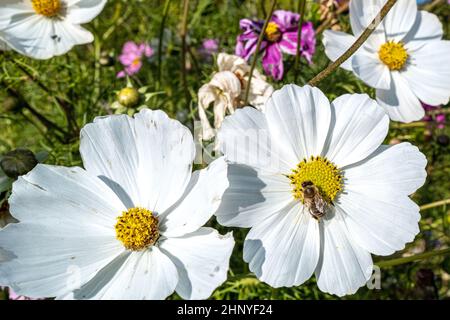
(313,200)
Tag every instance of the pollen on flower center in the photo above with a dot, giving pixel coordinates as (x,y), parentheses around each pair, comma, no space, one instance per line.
(48,8)
(137,228)
(273,32)
(393,55)
(322,173)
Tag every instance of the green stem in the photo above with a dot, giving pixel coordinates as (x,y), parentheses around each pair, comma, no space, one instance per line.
(161,39)
(258,46)
(435,204)
(184,51)
(301,12)
(44,120)
(422,256)
(358,43)
(66,108)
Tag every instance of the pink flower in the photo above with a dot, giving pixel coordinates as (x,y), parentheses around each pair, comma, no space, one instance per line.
(281,36)
(210,46)
(131,57)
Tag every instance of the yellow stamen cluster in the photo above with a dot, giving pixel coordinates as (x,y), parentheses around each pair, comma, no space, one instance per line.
(48,8)
(393,55)
(322,173)
(137,229)
(273,32)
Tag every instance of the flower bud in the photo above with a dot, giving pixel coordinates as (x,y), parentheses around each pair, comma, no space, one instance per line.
(18,162)
(128,97)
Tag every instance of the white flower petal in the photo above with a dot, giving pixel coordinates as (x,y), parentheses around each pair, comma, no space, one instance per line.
(202,260)
(428,72)
(336,43)
(66,231)
(146,160)
(41,38)
(362,13)
(11,10)
(379,214)
(201,199)
(399,101)
(253,196)
(399,168)
(71,196)
(369,68)
(380,222)
(29,35)
(245,138)
(166,150)
(426,28)
(299,117)
(400,19)
(283,250)
(344,266)
(139,275)
(206,95)
(65,36)
(360,127)
(84,11)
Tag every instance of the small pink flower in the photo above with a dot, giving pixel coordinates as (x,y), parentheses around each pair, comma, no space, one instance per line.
(131,57)
(210,46)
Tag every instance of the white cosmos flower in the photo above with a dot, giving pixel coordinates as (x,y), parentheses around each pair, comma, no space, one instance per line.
(405,59)
(301,137)
(42,29)
(129,226)
(226,91)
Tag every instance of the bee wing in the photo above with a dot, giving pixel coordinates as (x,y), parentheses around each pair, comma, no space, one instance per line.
(321,205)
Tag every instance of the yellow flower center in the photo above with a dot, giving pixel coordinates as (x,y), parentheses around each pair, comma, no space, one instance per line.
(273,32)
(393,55)
(135,62)
(137,229)
(48,8)
(322,173)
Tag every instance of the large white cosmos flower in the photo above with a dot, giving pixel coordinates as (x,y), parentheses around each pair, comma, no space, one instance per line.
(405,59)
(127,227)
(42,29)
(299,137)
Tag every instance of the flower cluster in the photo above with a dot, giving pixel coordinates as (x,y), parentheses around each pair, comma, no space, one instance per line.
(132,57)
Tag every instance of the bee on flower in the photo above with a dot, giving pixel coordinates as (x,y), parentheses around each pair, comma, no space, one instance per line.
(317,188)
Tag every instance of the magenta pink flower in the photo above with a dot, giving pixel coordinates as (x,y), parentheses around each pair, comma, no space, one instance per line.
(132,56)
(280,37)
